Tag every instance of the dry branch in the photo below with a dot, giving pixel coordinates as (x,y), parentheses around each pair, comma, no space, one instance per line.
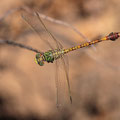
(9,42)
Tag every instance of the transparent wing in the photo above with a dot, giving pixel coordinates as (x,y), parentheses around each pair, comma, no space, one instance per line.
(62,78)
(62,85)
(64,66)
(62,81)
(65,63)
(38,26)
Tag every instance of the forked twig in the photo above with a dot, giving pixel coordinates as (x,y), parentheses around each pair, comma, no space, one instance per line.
(60,22)
(9,42)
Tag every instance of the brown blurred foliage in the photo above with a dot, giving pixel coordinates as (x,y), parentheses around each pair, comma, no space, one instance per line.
(27,91)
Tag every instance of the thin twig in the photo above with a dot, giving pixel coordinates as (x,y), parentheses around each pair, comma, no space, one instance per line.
(60,22)
(9,42)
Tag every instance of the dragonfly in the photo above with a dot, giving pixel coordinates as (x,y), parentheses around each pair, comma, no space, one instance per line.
(58,53)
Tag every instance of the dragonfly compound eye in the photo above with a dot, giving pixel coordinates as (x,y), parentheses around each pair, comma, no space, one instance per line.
(39,59)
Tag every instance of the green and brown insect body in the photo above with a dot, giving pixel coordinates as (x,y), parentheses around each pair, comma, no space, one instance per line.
(49,56)
(52,55)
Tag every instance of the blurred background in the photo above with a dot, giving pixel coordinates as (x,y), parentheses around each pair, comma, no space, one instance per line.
(27,91)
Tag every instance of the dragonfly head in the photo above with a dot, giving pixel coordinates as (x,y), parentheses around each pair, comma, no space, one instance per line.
(39,59)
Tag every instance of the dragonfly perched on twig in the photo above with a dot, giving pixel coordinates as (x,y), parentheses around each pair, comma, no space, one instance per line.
(57,54)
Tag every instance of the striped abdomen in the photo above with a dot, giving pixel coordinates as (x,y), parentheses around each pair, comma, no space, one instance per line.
(112,36)
(81,46)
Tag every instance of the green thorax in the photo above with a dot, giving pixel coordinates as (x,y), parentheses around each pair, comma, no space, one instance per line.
(52,55)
